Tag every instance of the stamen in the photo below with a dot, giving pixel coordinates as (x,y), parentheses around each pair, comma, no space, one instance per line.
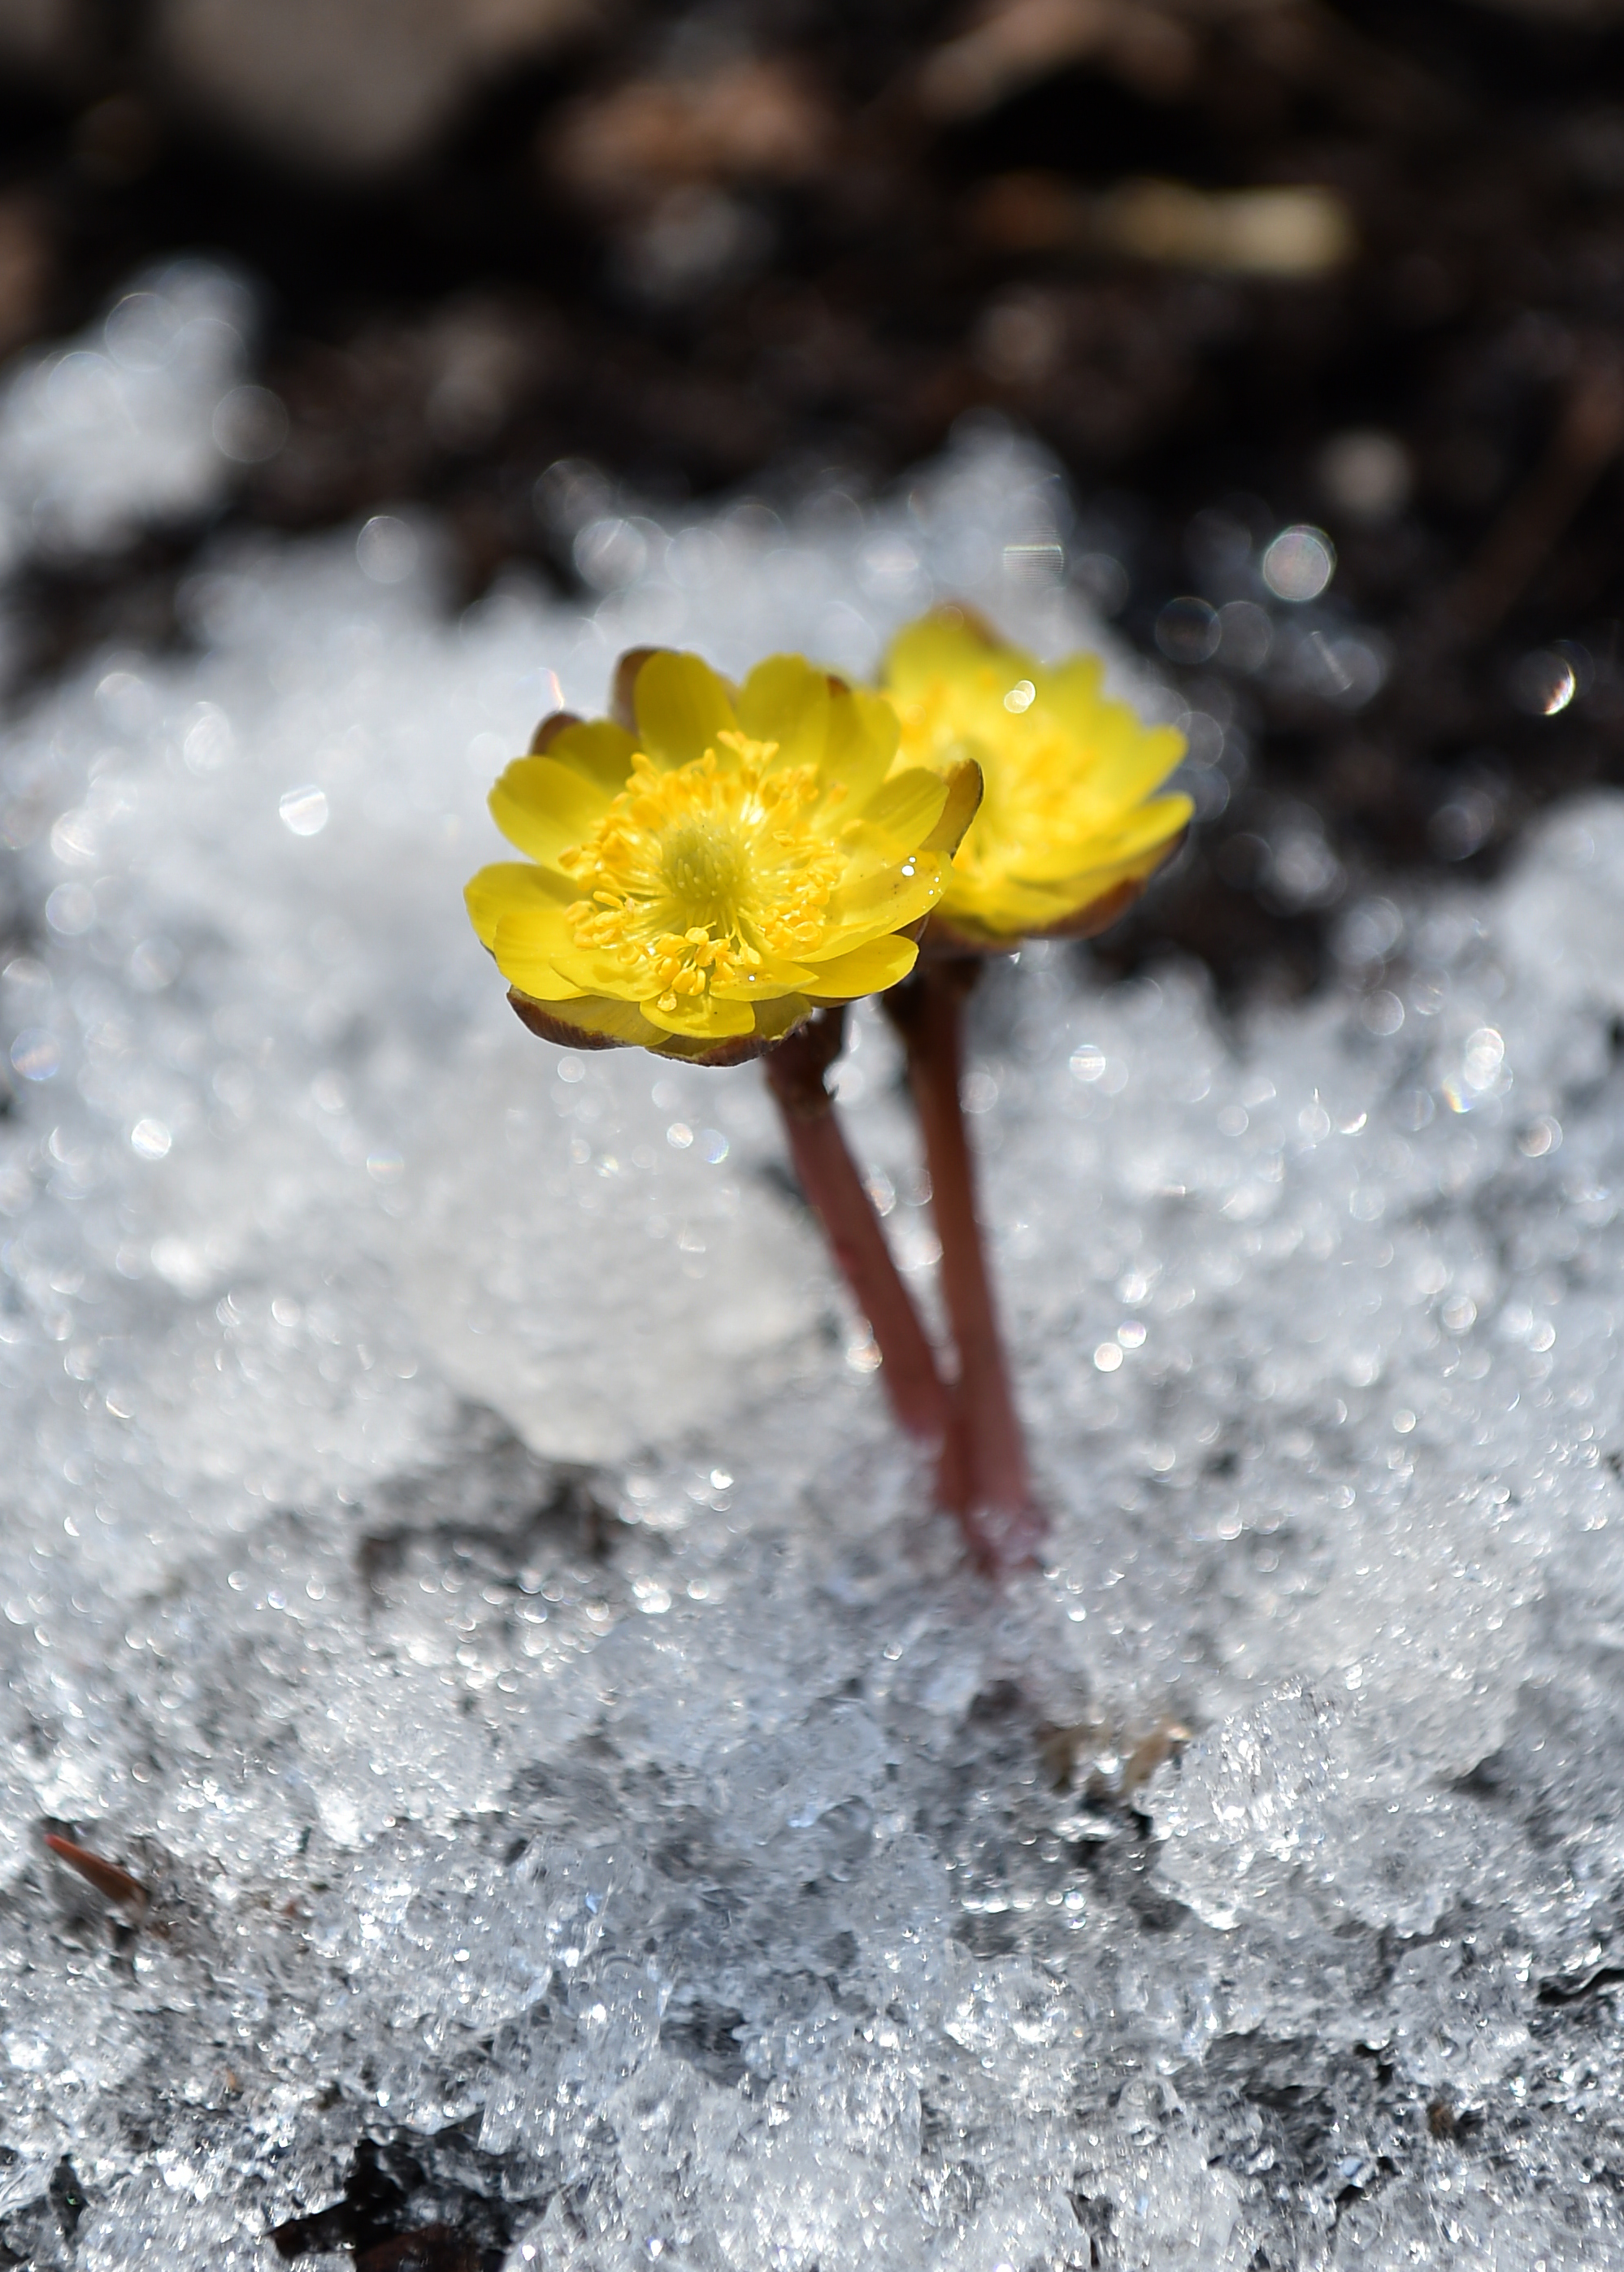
(693,876)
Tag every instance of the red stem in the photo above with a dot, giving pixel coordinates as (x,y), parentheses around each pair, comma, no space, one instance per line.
(829,1176)
(928,1010)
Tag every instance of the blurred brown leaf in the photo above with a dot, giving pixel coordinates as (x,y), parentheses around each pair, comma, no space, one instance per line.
(1287,231)
(752,119)
(1014,43)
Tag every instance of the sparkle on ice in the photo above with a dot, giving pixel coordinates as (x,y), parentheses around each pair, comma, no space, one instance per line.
(685,1854)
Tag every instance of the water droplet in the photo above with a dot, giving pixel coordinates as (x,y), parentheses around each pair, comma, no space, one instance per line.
(1186,631)
(386,550)
(1246,634)
(1484,1055)
(609,554)
(1366,474)
(249,425)
(71,910)
(1544,683)
(35,1054)
(1381,1014)
(303,811)
(1460,827)
(1299,563)
(208,742)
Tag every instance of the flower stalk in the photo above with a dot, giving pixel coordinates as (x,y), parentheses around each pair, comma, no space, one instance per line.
(797,1073)
(1004,1517)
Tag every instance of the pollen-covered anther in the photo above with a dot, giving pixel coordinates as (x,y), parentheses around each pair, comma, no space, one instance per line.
(700,869)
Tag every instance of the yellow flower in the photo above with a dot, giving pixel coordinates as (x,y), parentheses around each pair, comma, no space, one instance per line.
(1068,831)
(700,884)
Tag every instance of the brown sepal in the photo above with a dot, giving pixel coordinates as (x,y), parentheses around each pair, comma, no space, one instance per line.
(545,1022)
(738,1049)
(945,942)
(944,938)
(548,732)
(547,1028)
(623,686)
(796,1067)
(1100,914)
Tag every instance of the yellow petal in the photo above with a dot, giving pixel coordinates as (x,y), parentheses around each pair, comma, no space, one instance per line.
(1147,765)
(1071,691)
(512,887)
(889,900)
(526,945)
(867,969)
(539,928)
(682,705)
(1123,759)
(862,744)
(702,1017)
(785,701)
(592,970)
(908,806)
(774,1019)
(586,1023)
(1132,832)
(545,808)
(775,975)
(601,751)
(533,974)
(1079,904)
(947,644)
(869,852)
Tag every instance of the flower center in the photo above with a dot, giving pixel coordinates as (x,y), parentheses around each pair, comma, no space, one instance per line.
(700,866)
(1037,789)
(693,876)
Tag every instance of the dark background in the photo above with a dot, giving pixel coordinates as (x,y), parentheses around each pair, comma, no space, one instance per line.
(734,247)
